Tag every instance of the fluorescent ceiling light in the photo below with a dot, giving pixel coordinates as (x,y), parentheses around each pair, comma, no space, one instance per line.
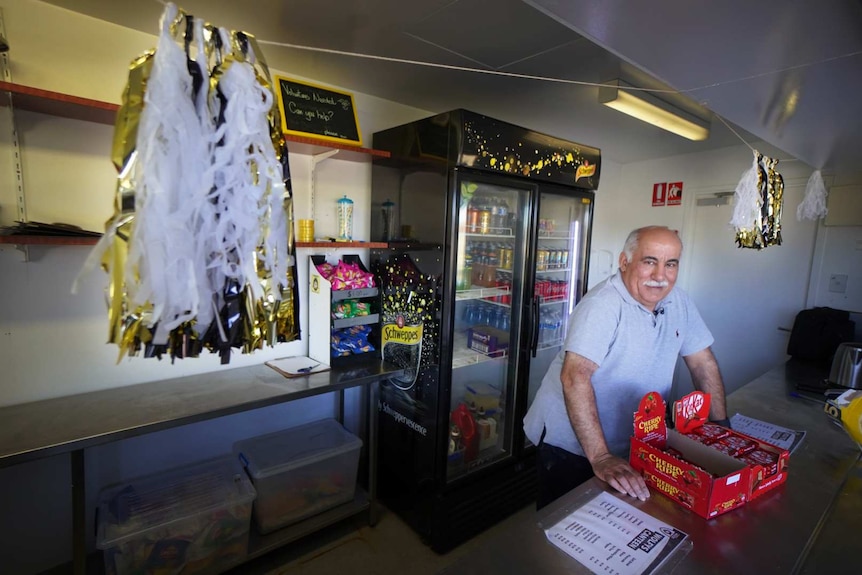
(648,108)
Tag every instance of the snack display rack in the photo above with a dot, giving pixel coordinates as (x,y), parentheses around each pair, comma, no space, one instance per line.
(321,297)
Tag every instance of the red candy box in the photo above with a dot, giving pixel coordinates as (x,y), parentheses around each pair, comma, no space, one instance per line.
(703,466)
(708,433)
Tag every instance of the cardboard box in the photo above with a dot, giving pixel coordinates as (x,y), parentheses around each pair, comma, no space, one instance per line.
(699,470)
(767,473)
(716,484)
(705,480)
(484,396)
(488,340)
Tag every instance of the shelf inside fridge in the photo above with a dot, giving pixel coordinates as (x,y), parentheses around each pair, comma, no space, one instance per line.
(458,468)
(462,355)
(506,233)
(481,292)
(564,235)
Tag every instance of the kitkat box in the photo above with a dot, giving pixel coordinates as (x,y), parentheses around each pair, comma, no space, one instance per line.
(691,473)
(767,463)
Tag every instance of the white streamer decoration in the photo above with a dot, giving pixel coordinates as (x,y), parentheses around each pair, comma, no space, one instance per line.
(813,205)
(173,158)
(748,200)
(249,187)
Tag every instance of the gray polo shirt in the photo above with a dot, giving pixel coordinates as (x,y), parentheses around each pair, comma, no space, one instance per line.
(636,351)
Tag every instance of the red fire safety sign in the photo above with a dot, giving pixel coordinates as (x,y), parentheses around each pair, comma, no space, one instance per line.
(659,194)
(674,194)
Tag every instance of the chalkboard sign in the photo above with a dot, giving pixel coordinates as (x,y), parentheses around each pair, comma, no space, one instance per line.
(314,111)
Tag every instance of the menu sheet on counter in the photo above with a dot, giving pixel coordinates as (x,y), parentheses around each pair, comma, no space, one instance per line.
(609,536)
(782,437)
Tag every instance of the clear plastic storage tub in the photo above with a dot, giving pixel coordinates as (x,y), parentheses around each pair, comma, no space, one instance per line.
(193,519)
(300,471)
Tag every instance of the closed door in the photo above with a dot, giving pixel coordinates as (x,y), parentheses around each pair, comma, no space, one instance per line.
(747,298)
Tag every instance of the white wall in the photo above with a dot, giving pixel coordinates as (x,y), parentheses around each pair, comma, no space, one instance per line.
(743,310)
(52,343)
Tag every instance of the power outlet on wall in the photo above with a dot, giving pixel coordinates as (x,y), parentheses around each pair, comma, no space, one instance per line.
(838,283)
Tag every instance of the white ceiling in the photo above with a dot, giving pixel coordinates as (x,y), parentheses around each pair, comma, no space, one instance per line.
(784,72)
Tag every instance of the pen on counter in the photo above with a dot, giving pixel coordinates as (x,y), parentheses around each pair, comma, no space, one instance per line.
(307,369)
(800,396)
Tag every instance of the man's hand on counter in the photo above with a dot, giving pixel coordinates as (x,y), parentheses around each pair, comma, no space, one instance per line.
(617,473)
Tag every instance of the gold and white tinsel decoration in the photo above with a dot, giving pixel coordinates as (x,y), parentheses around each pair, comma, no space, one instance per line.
(199,251)
(758,202)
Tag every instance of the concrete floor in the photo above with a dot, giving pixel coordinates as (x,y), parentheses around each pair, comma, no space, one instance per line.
(390,547)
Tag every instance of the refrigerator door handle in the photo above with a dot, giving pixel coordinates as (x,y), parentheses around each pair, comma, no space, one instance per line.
(534,325)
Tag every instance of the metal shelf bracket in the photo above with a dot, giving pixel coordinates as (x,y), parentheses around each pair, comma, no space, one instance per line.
(6,74)
(315,160)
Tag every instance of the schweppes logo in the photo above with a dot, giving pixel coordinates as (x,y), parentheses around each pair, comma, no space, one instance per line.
(585,170)
(408,334)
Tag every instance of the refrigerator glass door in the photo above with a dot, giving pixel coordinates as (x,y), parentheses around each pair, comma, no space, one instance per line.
(491,251)
(560,260)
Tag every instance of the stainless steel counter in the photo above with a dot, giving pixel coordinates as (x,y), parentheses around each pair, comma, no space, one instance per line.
(71,424)
(53,426)
(808,525)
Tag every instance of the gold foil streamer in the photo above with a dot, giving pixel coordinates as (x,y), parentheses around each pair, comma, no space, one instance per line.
(766,229)
(271,319)
(123,327)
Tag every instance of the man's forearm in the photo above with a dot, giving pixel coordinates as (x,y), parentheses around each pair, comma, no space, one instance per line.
(581,408)
(706,377)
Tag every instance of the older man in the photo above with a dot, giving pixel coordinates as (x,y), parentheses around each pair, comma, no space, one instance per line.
(623,341)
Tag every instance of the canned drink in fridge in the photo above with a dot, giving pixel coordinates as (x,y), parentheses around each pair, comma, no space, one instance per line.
(564,259)
(484,221)
(472,218)
(541,259)
(541,287)
(508,254)
(552,258)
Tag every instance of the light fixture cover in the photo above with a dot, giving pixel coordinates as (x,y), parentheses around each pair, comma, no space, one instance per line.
(648,108)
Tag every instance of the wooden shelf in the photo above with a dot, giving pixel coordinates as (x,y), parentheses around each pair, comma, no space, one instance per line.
(49,240)
(68,106)
(57,104)
(307,145)
(338,245)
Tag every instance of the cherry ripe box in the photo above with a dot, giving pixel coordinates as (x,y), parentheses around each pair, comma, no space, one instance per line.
(703,466)
(702,479)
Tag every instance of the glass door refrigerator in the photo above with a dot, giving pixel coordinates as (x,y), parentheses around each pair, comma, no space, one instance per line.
(488,229)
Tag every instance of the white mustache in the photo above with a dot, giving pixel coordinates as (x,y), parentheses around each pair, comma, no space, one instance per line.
(657,284)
